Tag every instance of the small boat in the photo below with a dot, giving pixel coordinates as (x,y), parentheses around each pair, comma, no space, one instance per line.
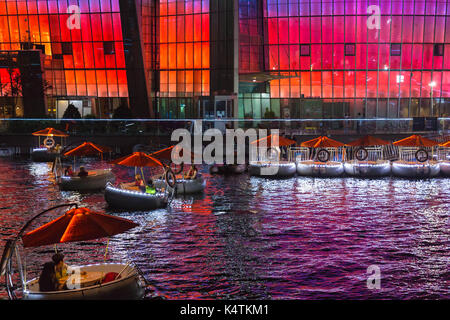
(48,151)
(95,180)
(368,158)
(128,286)
(174,179)
(110,281)
(182,185)
(326,159)
(414,169)
(414,158)
(278,169)
(444,158)
(129,198)
(320,169)
(266,158)
(380,168)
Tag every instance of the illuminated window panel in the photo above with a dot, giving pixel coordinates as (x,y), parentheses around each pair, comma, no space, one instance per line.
(184,47)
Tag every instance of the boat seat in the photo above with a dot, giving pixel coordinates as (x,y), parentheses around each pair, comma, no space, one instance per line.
(110,276)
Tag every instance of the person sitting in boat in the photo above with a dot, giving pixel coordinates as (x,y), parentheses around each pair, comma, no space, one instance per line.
(192,173)
(47,279)
(150,188)
(139,182)
(60,266)
(83,172)
(68,171)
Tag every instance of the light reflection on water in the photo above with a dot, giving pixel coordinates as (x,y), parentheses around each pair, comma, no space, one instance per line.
(246,237)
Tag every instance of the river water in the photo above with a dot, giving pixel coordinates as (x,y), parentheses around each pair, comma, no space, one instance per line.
(254,238)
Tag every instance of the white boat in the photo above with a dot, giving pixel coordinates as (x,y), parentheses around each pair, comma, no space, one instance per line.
(96,180)
(134,199)
(320,169)
(378,168)
(128,285)
(272,169)
(320,157)
(184,186)
(96,281)
(414,169)
(444,167)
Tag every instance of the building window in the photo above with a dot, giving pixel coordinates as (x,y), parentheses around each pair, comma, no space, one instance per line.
(305,50)
(108,47)
(350,49)
(66,48)
(57,56)
(396,49)
(438,50)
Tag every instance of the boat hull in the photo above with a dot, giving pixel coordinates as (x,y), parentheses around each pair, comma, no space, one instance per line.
(280,169)
(129,287)
(185,186)
(96,180)
(319,169)
(415,169)
(367,169)
(228,169)
(42,155)
(444,167)
(133,200)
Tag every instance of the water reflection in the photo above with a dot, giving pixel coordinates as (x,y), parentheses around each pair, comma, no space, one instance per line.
(247,237)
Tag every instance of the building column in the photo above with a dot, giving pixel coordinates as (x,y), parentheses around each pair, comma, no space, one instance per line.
(138,88)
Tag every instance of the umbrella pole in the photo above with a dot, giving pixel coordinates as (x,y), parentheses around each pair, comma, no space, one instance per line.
(143,178)
(106,250)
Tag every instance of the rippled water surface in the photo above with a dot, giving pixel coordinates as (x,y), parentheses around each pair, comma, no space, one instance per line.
(253,238)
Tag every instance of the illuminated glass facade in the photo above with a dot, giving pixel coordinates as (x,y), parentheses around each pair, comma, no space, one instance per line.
(237,58)
(335,58)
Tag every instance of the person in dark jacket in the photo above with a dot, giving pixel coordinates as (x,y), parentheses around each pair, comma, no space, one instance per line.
(47,280)
(83,172)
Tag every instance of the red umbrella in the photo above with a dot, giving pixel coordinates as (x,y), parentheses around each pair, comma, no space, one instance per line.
(282,142)
(79,224)
(322,142)
(50,132)
(416,141)
(368,141)
(137,159)
(87,148)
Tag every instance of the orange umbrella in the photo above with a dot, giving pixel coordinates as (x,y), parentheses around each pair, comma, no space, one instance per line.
(447,144)
(368,141)
(50,132)
(79,224)
(282,142)
(166,154)
(137,159)
(415,141)
(87,148)
(322,142)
